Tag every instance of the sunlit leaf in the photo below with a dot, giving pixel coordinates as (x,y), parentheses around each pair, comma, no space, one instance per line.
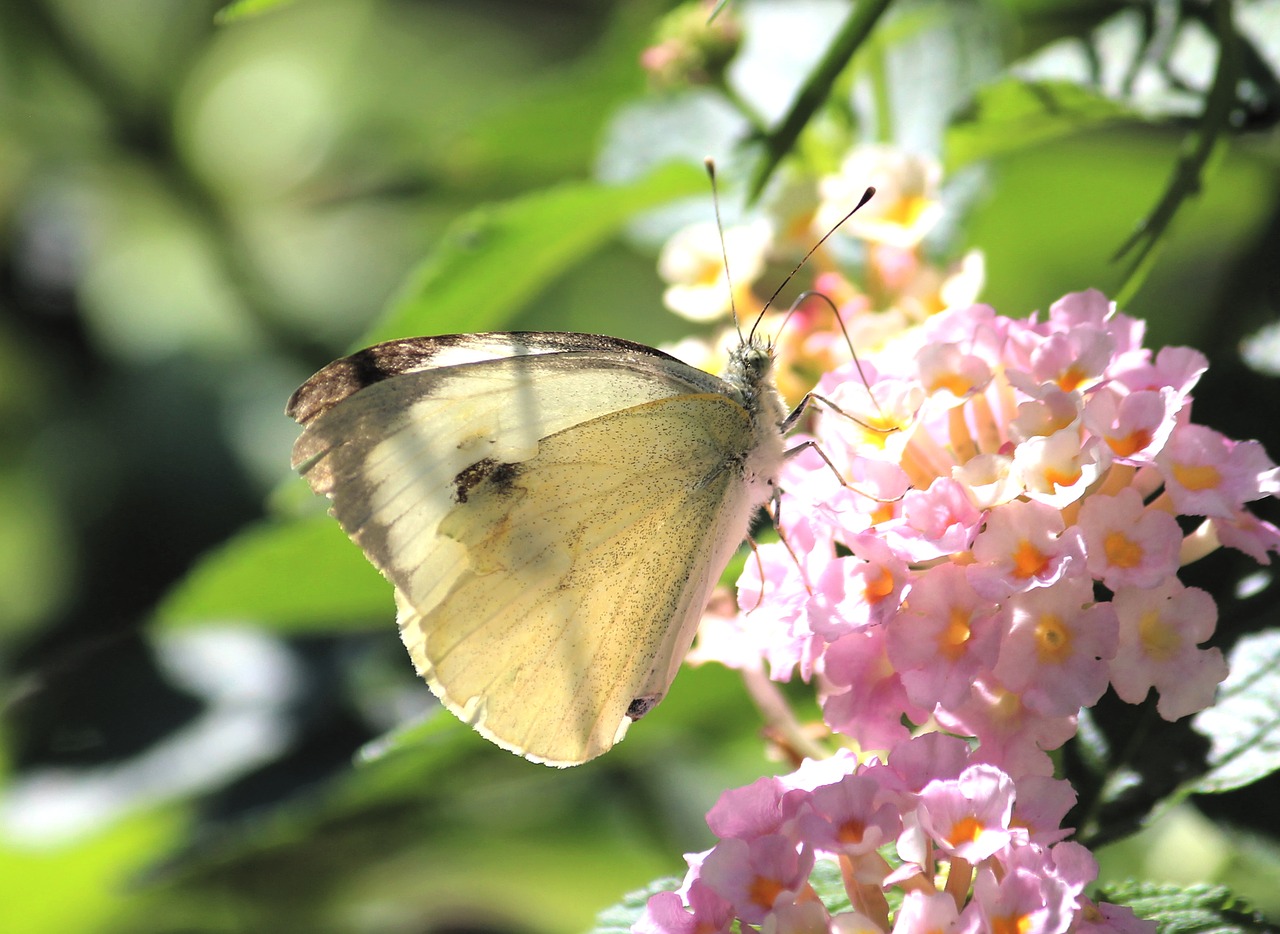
(1012,114)
(38,878)
(1244,725)
(496,258)
(301,575)
(243,9)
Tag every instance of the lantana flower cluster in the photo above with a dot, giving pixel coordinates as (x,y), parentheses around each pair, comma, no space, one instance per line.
(952,826)
(981,532)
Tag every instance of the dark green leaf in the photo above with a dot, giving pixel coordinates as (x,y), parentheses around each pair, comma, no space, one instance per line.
(1244,725)
(301,575)
(497,258)
(1198,909)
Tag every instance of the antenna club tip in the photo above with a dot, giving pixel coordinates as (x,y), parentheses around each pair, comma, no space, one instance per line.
(709,163)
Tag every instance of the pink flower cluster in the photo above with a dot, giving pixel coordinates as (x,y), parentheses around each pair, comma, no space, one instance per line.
(999,539)
(984,534)
(954,826)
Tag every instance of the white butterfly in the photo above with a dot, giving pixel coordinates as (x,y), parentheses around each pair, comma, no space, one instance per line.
(553,510)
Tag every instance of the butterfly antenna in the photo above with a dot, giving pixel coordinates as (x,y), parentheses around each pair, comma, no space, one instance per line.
(866,196)
(724,250)
(848,341)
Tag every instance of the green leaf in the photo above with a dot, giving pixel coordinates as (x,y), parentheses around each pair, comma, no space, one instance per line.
(1013,114)
(1198,909)
(101,869)
(299,575)
(619,918)
(243,9)
(1244,725)
(495,259)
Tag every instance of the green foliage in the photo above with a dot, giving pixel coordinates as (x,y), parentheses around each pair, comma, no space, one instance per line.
(1244,725)
(332,586)
(493,261)
(1197,909)
(242,9)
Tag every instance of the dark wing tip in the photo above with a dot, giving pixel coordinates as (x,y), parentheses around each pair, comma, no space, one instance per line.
(347,376)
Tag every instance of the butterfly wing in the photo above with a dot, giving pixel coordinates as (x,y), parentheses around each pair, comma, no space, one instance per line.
(552,522)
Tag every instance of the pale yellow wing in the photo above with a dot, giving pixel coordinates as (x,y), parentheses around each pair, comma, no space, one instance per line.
(534,512)
(577,576)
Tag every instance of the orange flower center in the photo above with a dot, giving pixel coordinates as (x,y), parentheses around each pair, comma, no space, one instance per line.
(1028,561)
(1130,444)
(956,635)
(764,892)
(1121,550)
(851,831)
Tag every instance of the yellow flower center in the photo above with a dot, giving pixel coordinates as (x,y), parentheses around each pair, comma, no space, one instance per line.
(1121,550)
(1053,640)
(1160,641)
(1195,477)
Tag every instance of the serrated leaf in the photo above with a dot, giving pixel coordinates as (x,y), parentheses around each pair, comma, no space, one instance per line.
(295,576)
(496,258)
(1197,909)
(1013,114)
(619,918)
(1243,727)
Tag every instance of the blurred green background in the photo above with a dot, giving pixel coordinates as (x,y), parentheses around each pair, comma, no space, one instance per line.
(196,214)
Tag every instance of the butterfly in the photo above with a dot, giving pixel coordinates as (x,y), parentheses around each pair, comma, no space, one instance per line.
(552,509)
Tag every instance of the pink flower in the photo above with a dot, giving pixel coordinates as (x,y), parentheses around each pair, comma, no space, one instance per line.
(1160,631)
(858,591)
(848,817)
(665,913)
(1023,546)
(1057,645)
(945,636)
(1208,474)
(1135,427)
(1127,544)
(865,698)
(752,811)
(1040,805)
(936,522)
(968,816)
(755,876)
(1010,734)
(922,913)
(1027,900)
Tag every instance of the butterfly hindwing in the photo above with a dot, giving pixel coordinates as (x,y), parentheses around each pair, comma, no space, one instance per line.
(563,571)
